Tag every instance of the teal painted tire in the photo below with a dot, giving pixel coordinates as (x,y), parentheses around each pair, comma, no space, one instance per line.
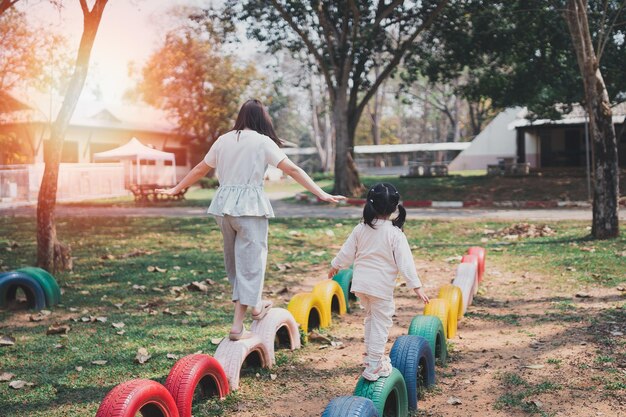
(388,394)
(48,284)
(431,329)
(344,279)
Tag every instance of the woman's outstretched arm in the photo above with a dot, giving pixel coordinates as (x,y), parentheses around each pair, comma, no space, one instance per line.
(192,176)
(302,178)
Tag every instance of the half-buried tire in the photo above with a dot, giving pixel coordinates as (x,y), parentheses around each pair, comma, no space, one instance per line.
(350,407)
(466,280)
(307,310)
(193,371)
(331,295)
(440,308)
(472,259)
(10,282)
(48,284)
(481,254)
(412,356)
(234,355)
(277,329)
(344,279)
(387,393)
(138,396)
(431,329)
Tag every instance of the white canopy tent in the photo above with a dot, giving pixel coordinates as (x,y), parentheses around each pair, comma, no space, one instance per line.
(137,151)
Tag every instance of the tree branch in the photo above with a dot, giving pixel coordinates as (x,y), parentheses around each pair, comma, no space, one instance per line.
(84,7)
(6,4)
(399,54)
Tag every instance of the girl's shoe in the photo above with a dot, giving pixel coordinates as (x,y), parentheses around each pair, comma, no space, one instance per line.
(243,334)
(266,305)
(382,370)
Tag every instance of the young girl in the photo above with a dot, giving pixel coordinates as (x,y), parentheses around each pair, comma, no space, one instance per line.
(379,250)
(241,207)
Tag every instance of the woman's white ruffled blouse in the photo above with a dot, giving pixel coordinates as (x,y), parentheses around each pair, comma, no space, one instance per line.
(241,159)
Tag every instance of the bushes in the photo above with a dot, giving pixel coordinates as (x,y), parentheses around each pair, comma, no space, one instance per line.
(209,183)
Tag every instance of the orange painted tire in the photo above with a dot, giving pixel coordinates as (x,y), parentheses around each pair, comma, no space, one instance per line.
(278,327)
(332,297)
(232,355)
(472,259)
(481,254)
(466,280)
(143,396)
(192,371)
(454,296)
(439,307)
(308,311)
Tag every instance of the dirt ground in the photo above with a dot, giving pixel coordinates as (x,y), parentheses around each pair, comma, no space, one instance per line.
(517,320)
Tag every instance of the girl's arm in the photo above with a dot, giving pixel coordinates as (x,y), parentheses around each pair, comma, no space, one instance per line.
(192,176)
(302,178)
(346,254)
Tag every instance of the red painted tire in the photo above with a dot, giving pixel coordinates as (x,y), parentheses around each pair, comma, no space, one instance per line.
(481,254)
(472,259)
(191,371)
(149,398)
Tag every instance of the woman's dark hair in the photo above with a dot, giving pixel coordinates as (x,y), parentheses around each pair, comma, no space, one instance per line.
(253,115)
(382,200)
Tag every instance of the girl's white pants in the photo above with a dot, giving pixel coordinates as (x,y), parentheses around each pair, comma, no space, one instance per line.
(378,321)
(245,255)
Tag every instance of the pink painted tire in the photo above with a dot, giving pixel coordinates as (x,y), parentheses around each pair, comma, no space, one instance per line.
(143,396)
(466,280)
(233,355)
(481,254)
(277,328)
(472,259)
(193,371)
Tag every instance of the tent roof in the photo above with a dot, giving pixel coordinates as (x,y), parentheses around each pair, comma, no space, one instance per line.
(133,150)
(398,148)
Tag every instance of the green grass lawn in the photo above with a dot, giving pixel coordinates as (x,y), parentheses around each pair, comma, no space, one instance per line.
(190,250)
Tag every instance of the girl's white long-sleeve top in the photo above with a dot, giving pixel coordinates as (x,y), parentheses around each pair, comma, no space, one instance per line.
(378,255)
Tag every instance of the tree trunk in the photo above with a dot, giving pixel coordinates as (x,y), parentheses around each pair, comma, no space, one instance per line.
(52,255)
(347,180)
(605,223)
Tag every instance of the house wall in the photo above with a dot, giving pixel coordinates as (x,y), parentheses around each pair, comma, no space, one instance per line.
(495,141)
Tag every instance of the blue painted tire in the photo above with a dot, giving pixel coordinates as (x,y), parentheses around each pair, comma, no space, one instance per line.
(412,356)
(11,281)
(350,407)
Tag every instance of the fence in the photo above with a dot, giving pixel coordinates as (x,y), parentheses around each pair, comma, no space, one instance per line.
(20,183)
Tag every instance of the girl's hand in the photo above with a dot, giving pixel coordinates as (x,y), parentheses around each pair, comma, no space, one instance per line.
(332,272)
(421,294)
(329,198)
(167,191)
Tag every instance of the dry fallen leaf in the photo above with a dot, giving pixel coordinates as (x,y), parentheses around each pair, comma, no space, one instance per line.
(119,325)
(216,341)
(7,341)
(79,368)
(99,362)
(121,332)
(454,401)
(6,376)
(198,286)
(151,268)
(142,356)
(101,319)
(534,366)
(273,376)
(58,329)
(19,384)
(161,270)
(171,356)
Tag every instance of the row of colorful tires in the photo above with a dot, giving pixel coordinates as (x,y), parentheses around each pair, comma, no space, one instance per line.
(413,356)
(40,288)
(216,376)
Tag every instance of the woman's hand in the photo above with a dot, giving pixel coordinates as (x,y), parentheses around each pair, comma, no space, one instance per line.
(332,272)
(167,191)
(421,294)
(329,198)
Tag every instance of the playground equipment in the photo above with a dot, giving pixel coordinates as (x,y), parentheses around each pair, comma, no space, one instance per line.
(308,311)
(388,394)
(431,329)
(481,254)
(412,356)
(191,371)
(331,295)
(143,396)
(472,259)
(344,279)
(278,327)
(350,406)
(39,287)
(466,280)
(439,307)
(234,354)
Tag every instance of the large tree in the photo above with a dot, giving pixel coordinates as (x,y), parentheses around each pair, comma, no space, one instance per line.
(192,78)
(347,40)
(538,54)
(51,254)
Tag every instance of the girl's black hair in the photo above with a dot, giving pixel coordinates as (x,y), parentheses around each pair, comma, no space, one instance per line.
(253,115)
(382,200)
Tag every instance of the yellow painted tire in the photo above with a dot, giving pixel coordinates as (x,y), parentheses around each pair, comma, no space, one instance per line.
(332,297)
(308,311)
(454,297)
(439,308)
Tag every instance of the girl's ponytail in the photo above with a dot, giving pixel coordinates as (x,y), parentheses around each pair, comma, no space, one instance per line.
(399,221)
(369,213)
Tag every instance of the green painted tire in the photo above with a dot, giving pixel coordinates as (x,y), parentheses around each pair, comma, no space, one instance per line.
(388,394)
(431,329)
(48,284)
(344,279)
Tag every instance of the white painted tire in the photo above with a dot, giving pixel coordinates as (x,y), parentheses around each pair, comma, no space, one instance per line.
(466,281)
(232,355)
(277,326)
